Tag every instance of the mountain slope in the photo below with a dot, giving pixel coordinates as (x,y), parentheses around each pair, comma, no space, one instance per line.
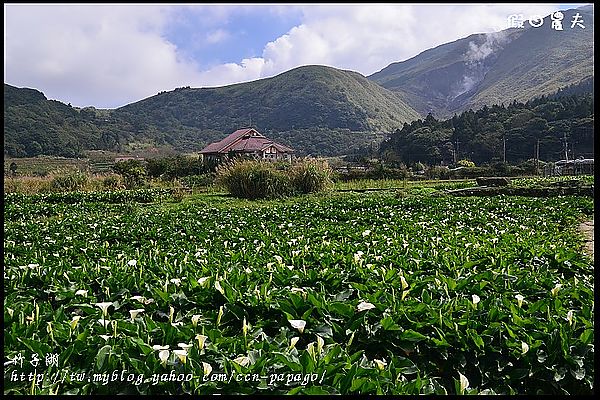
(314,109)
(514,64)
(34,125)
(304,97)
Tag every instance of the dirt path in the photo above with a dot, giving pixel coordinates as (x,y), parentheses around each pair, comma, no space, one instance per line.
(587,228)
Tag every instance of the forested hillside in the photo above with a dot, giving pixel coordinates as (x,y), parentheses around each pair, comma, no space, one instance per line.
(480,136)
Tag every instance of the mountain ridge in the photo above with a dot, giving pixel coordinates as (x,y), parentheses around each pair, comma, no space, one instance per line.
(492,68)
(317,110)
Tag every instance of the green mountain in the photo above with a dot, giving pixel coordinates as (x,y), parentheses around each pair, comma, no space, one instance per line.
(314,109)
(514,64)
(34,125)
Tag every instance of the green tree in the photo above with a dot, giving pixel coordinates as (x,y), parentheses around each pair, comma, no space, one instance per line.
(132,171)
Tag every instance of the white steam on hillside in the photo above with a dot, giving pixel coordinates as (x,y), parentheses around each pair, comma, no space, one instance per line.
(478,60)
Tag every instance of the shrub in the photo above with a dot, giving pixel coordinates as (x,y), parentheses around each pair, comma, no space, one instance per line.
(384,172)
(133,173)
(177,195)
(438,172)
(532,166)
(112,182)
(198,180)
(68,182)
(419,166)
(311,176)
(465,163)
(175,167)
(254,180)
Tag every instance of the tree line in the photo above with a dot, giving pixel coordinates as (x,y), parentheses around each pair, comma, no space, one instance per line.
(543,128)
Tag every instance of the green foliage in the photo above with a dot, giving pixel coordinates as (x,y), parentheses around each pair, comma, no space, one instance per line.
(532,166)
(386,289)
(481,134)
(68,182)
(419,166)
(251,179)
(465,163)
(132,171)
(113,182)
(203,180)
(437,172)
(77,197)
(175,167)
(311,176)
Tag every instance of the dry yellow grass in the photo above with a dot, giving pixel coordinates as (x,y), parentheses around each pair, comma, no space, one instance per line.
(43,184)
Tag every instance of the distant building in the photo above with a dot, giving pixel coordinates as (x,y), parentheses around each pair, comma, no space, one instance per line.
(248,143)
(579,166)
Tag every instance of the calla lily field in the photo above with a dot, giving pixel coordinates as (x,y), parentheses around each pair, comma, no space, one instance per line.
(336,293)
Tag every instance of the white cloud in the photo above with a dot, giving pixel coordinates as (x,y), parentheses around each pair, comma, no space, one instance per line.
(248,69)
(217,36)
(367,38)
(104,56)
(112,55)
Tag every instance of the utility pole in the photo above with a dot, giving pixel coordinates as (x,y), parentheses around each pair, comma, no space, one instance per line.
(456,152)
(565,139)
(537,158)
(504,149)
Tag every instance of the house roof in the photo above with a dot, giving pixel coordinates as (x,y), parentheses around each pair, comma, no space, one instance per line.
(244,140)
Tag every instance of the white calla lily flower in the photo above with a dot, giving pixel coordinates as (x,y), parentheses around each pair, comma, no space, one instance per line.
(134,313)
(380,364)
(520,299)
(201,340)
(163,355)
(404,283)
(104,307)
(298,324)
(293,342)
(195,319)
(219,287)
(464,383)
(206,368)
(363,305)
(75,321)
(141,299)
(244,361)
(181,354)
(203,281)
(104,322)
(185,346)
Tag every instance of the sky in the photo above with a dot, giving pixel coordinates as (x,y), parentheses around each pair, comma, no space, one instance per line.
(110,55)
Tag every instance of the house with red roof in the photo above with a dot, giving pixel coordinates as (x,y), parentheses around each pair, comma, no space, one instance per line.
(247,142)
